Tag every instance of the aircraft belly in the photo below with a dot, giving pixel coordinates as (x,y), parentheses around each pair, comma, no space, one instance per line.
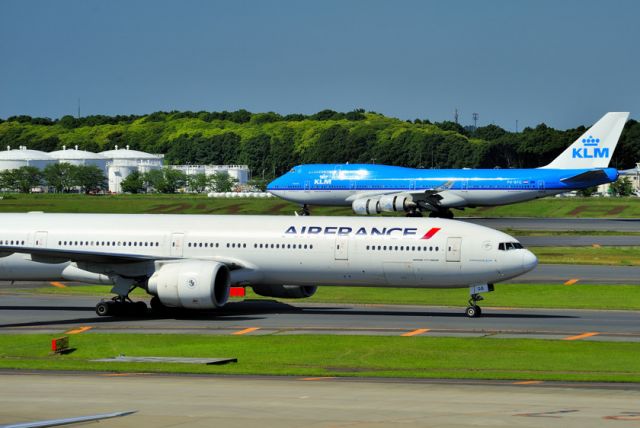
(499,197)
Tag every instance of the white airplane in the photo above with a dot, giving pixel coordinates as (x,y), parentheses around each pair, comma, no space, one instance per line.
(188,261)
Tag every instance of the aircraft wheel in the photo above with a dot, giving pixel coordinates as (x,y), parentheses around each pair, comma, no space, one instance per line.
(103,309)
(473,311)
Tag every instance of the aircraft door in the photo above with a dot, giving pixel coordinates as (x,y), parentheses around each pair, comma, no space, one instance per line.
(307,185)
(540,185)
(40,239)
(177,244)
(341,251)
(453,249)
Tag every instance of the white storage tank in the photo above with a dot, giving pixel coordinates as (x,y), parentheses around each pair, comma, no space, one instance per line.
(17,158)
(80,158)
(122,162)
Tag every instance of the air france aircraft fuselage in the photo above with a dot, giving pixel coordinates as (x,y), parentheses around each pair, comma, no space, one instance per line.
(191,261)
(371,189)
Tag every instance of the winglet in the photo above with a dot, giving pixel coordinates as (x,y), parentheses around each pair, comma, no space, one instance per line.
(595,147)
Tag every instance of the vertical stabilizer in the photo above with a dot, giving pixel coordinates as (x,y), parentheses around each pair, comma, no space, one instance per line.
(595,147)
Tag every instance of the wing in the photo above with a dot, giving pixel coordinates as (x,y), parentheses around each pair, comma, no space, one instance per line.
(48,255)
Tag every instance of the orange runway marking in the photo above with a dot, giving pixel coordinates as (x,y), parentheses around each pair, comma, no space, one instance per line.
(246,330)
(581,336)
(571,281)
(415,332)
(317,378)
(57,284)
(528,382)
(78,330)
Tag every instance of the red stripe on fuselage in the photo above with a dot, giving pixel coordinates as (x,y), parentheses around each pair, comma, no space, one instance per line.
(430,233)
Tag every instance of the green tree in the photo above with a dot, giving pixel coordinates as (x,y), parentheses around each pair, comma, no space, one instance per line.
(587,191)
(621,187)
(133,183)
(198,182)
(165,180)
(222,182)
(259,184)
(22,179)
(60,176)
(89,178)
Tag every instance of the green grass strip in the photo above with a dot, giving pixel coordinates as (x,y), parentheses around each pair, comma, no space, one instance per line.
(200,204)
(594,255)
(421,357)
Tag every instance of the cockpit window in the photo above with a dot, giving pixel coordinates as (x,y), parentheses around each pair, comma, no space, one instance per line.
(507,246)
(292,170)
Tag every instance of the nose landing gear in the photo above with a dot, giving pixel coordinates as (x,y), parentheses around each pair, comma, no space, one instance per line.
(473,310)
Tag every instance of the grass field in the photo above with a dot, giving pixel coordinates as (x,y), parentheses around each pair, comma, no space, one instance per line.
(594,255)
(200,204)
(421,357)
(626,297)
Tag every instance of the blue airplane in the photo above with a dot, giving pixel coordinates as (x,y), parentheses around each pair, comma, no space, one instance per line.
(372,189)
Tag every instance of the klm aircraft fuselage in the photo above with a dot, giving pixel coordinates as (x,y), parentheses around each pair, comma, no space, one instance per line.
(322,184)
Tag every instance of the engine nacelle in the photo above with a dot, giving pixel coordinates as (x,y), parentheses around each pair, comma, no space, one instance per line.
(396,203)
(366,206)
(195,284)
(285,291)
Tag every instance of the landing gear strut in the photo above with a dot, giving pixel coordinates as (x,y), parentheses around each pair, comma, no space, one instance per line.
(304,211)
(441,214)
(473,310)
(121,304)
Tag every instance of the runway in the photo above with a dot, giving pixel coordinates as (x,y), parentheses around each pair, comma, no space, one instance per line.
(579,241)
(56,314)
(585,274)
(204,401)
(558,224)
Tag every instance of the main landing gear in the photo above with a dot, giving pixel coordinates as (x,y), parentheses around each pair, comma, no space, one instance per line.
(304,211)
(473,310)
(441,214)
(121,305)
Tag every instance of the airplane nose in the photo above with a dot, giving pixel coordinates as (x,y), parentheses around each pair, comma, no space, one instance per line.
(529,260)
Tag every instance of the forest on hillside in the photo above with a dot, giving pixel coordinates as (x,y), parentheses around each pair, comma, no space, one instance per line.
(271,143)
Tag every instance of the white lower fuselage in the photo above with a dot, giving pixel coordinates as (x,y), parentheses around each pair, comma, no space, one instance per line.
(390,252)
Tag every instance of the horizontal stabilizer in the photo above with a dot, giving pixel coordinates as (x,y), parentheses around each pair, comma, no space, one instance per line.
(594,175)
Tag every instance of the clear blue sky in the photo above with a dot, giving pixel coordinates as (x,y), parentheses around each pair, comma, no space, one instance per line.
(564,63)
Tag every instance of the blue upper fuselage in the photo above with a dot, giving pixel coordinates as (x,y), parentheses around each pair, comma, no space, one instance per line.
(366,177)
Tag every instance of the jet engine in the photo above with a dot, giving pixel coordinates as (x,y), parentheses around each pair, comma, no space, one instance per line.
(391,203)
(285,291)
(191,284)
(366,206)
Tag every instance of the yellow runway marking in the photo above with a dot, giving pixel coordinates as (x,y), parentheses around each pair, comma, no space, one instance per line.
(415,332)
(122,374)
(528,382)
(246,330)
(571,281)
(581,336)
(58,284)
(78,330)
(317,378)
